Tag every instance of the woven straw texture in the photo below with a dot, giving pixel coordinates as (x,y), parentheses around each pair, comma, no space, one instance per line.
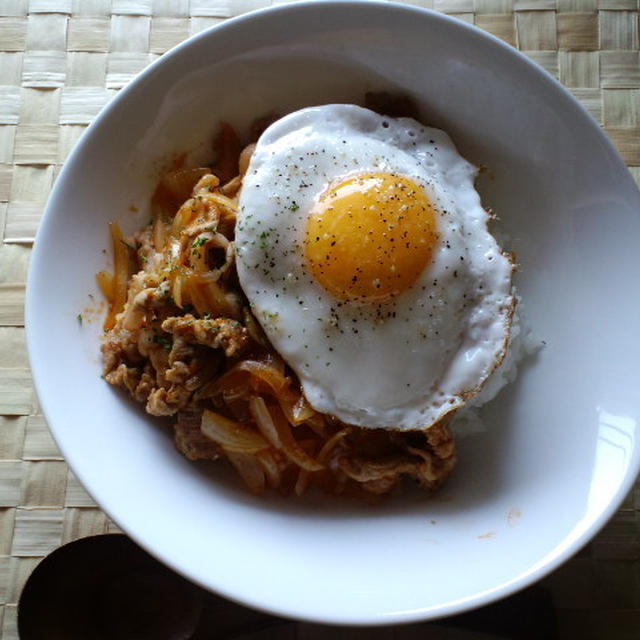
(61,61)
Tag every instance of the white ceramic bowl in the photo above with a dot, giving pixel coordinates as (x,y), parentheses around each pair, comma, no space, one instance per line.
(560,452)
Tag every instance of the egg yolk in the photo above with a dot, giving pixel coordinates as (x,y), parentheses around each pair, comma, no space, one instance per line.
(369,237)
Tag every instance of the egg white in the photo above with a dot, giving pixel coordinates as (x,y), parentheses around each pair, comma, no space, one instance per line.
(404,363)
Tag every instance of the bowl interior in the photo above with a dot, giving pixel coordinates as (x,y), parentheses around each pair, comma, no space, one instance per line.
(560,450)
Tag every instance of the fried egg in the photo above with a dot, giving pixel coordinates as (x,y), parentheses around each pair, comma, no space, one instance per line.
(363,249)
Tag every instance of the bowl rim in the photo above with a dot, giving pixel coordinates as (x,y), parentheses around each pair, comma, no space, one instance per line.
(569,546)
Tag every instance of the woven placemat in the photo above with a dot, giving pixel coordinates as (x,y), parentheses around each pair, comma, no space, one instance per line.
(61,61)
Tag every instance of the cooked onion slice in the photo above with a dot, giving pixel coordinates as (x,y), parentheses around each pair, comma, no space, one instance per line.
(180,183)
(232,436)
(295,407)
(271,468)
(105,282)
(249,469)
(263,377)
(331,444)
(159,234)
(290,447)
(120,275)
(302,482)
(264,421)
(263,373)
